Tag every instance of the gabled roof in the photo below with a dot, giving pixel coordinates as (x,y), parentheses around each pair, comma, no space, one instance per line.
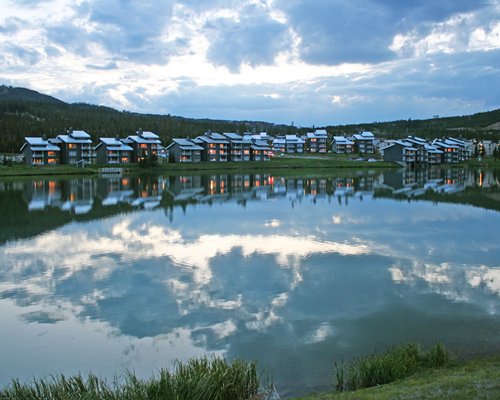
(405,144)
(321,132)
(142,139)
(185,144)
(364,136)
(342,140)
(79,134)
(217,136)
(456,142)
(440,143)
(114,144)
(233,136)
(147,134)
(293,139)
(39,144)
(260,145)
(432,150)
(71,139)
(316,135)
(208,139)
(416,140)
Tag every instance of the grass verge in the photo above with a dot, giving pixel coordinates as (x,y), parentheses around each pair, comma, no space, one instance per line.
(282,164)
(197,379)
(396,363)
(478,379)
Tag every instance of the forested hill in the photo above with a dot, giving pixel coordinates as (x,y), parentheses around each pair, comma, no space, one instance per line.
(484,125)
(25,112)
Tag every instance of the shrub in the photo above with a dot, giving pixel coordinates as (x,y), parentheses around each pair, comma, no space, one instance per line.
(197,379)
(396,363)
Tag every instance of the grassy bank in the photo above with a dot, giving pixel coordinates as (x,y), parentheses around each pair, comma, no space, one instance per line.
(396,363)
(432,376)
(479,379)
(276,164)
(20,170)
(198,379)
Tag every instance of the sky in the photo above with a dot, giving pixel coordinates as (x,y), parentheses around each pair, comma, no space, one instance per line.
(306,62)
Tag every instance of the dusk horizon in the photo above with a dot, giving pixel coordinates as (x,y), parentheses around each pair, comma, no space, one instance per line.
(311,63)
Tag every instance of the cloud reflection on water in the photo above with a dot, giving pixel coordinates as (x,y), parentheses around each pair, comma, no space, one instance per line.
(223,279)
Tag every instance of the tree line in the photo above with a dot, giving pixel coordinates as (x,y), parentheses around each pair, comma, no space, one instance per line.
(24,112)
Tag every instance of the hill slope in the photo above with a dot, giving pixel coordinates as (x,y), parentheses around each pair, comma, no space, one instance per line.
(25,112)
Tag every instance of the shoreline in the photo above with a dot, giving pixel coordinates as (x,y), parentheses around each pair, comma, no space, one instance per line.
(283,164)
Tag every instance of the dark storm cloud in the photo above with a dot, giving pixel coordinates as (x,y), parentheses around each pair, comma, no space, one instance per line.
(255,39)
(334,32)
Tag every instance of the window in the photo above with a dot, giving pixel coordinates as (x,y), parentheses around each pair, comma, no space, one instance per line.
(72,146)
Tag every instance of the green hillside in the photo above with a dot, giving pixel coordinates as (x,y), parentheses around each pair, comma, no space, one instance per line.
(25,112)
(480,125)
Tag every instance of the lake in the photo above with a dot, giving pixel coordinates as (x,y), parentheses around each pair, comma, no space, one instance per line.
(124,273)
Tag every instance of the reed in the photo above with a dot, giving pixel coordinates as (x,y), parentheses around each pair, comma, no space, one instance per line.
(396,363)
(197,379)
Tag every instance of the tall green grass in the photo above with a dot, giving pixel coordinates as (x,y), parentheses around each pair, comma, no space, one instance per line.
(197,379)
(397,363)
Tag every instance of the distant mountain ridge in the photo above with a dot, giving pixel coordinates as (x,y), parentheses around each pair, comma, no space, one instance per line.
(23,94)
(25,112)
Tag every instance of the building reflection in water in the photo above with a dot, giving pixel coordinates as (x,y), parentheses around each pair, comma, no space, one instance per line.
(80,195)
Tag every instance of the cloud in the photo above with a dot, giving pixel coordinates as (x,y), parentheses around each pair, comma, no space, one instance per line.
(253,38)
(314,63)
(71,37)
(23,55)
(334,32)
(134,30)
(106,67)
(11,25)
(128,30)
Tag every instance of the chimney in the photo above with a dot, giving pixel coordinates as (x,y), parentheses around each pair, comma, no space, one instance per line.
(139,131)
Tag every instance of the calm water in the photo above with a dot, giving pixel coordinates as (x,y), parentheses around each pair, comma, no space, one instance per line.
(111,274)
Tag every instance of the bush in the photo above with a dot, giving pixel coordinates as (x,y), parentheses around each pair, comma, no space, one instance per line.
(198,379)
(150,161)
(396,363)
